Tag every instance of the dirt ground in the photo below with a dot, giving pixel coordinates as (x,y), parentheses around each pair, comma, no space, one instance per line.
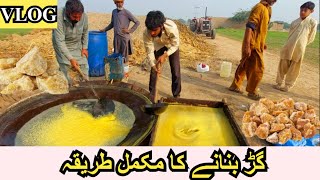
(210,86)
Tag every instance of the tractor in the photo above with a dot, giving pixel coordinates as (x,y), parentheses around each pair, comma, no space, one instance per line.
(203,25)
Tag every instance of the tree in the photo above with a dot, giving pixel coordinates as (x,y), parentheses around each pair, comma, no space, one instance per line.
(318,27)
(182,21)
(240,16)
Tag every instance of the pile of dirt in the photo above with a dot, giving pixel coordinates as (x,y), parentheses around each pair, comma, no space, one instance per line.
(16,46)
(193,47)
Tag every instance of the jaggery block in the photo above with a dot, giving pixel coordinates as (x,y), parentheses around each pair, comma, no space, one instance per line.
(256,119)
(300,106)
(268,103)
(8,63)
(301,122)
(277,113)
(310,114)
(23,84)
(32,63)
(309,130)
(265,117)
(273,138)
(249,129)
(57,84)
(296,115)
(284,136)
(263,131)
(277,127)
(282,118)
(296,134)
(247,116)
(8,76)
(316,122)
(260,109)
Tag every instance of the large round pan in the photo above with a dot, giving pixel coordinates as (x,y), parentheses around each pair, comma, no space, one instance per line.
(134,97)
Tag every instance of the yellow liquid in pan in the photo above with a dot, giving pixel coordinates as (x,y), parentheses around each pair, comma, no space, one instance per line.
(182,125)
(71,126)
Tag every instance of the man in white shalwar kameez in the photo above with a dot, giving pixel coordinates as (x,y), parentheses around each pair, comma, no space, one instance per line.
(302,32)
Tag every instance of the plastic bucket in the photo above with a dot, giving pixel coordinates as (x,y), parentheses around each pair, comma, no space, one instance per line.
(225,70)
(98,50)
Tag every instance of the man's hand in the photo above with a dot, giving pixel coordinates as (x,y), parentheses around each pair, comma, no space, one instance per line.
(84,52)
(125,30)
(74,63)
(154,68)
(246,51)
(162,58)
(265,47)
(157,68)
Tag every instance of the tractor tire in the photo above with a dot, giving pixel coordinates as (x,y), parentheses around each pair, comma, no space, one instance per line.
(213,34)
(208,34)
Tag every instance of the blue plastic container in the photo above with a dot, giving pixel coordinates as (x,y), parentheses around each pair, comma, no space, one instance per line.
(114,63)
(291,142)
(314,141)
(98,50)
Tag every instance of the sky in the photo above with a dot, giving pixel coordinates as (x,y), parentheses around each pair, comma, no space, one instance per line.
(283,10)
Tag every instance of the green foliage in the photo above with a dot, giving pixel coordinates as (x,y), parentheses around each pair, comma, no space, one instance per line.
(285,24)
(240,16)
(275,41)
(5,32)
(182,21)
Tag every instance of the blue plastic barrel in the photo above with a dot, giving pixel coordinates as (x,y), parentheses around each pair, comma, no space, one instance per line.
(98,50)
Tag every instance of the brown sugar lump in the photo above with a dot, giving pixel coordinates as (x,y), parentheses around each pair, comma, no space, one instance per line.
(57,84)
(316,122)
(310,114)
(273,138)
(290,124)
(284,136)
(289,103)
(310,107)
(32,63)
(263,131)
(277,113)
(277,127)
(296,134)
(309,130)
(53,67)
(268,103)
(247,116)
(8,63)
(23,84)
(284,104)
(267,118)
(249,129)
(282,118)
(296,115)
(7,76)
(256,119)
(300,106)
(301,122)
(260,109)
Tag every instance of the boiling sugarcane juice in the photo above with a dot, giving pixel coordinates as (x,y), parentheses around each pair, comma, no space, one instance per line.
(70,125)
(182,125)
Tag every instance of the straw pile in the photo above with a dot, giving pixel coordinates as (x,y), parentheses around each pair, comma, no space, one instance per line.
(193,47)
